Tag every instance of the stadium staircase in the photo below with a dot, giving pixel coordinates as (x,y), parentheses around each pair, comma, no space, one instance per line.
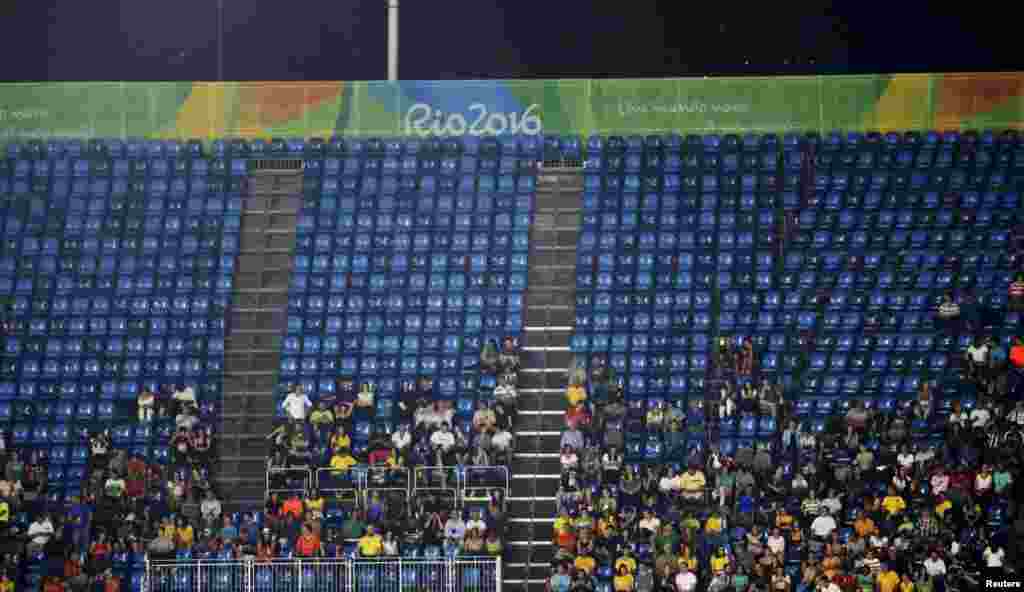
(259,312)
(547,326)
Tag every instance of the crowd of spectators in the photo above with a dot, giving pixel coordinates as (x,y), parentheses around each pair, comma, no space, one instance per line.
(357,473)
(97,531)
(914,496)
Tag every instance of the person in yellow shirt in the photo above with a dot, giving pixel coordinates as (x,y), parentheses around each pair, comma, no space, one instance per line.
(341,440)
(623,581)
(562,522)
(167,529)
(692,482)
(186,535)
(342,461)
(719,561)
(585,563)
(713,526)
(370,545)
(314,505)
(888,580)
(893,504)
(575,394)
(906,584)
(942,507)
(626,561)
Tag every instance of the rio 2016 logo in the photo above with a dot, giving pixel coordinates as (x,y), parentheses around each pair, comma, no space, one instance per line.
(423,120)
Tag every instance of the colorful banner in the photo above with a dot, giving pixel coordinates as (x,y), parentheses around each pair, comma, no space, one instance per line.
(483,108)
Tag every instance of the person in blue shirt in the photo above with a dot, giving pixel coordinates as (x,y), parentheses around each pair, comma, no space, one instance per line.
(228,531)
(560,581)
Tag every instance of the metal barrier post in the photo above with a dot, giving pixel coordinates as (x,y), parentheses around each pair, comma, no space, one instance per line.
(497,574)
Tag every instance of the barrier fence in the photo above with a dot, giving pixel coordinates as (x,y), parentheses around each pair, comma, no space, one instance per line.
(458,483)
(325,575)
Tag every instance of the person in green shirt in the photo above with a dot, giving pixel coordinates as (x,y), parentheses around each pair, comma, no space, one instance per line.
(1001,479)
(666,536)
(354,527)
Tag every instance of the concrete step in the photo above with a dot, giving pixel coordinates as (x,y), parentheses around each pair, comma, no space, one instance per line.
(535,506)
(529,551)
(546,336)
(534,484)
(518,571)
(542,399)
(533,530)
(558,202)
(538,463)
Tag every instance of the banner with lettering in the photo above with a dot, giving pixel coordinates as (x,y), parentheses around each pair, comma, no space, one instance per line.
(529,107)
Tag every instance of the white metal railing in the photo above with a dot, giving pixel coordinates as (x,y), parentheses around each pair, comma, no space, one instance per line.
(325,575)
(357,482)
(293,480)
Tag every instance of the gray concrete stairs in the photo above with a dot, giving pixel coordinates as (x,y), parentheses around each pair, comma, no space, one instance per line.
(548,322)
(259,304)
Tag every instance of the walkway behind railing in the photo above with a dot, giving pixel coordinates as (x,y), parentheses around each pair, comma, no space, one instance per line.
(458,483)
(325,575)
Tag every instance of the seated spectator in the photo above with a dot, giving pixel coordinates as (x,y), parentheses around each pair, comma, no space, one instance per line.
(948,310)
(692,483)
(308,545)
(1015,294)
(489,357)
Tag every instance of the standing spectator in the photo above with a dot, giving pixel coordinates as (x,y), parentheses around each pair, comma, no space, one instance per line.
(297,404)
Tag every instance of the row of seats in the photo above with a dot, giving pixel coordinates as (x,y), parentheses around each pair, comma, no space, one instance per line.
(118,168)
(467,166)
(407,222)
(605,281)
(855,159)
(808,220)
(423,204)
(569,145)
(918,260)
(426,185)
(851,203)
(669,182)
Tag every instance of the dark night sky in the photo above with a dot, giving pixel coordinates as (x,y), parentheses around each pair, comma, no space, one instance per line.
(445,39)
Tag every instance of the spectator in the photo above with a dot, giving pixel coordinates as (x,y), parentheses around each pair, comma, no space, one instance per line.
(1015,294)
(297,404)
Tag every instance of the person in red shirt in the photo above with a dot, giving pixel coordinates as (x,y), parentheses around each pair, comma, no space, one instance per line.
(1017,353)
(292,506)
(308,544)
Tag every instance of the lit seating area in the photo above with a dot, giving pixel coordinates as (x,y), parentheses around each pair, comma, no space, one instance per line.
(410,256)
(115,274)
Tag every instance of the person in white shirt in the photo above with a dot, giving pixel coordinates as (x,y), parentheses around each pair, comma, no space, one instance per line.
(444,439)
(934,566)
(980,417)
(686,581)
(297,404)
(210,509)
(1017,415)
(39,533)
(650,523)
(401,439)
(993,556)
(977,354)
(823,526)
(501,440)
(905,458)
(776,542)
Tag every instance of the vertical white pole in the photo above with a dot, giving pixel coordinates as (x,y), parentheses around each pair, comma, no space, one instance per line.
(392,40)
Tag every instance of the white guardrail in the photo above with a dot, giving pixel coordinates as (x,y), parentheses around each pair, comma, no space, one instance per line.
(325,575)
